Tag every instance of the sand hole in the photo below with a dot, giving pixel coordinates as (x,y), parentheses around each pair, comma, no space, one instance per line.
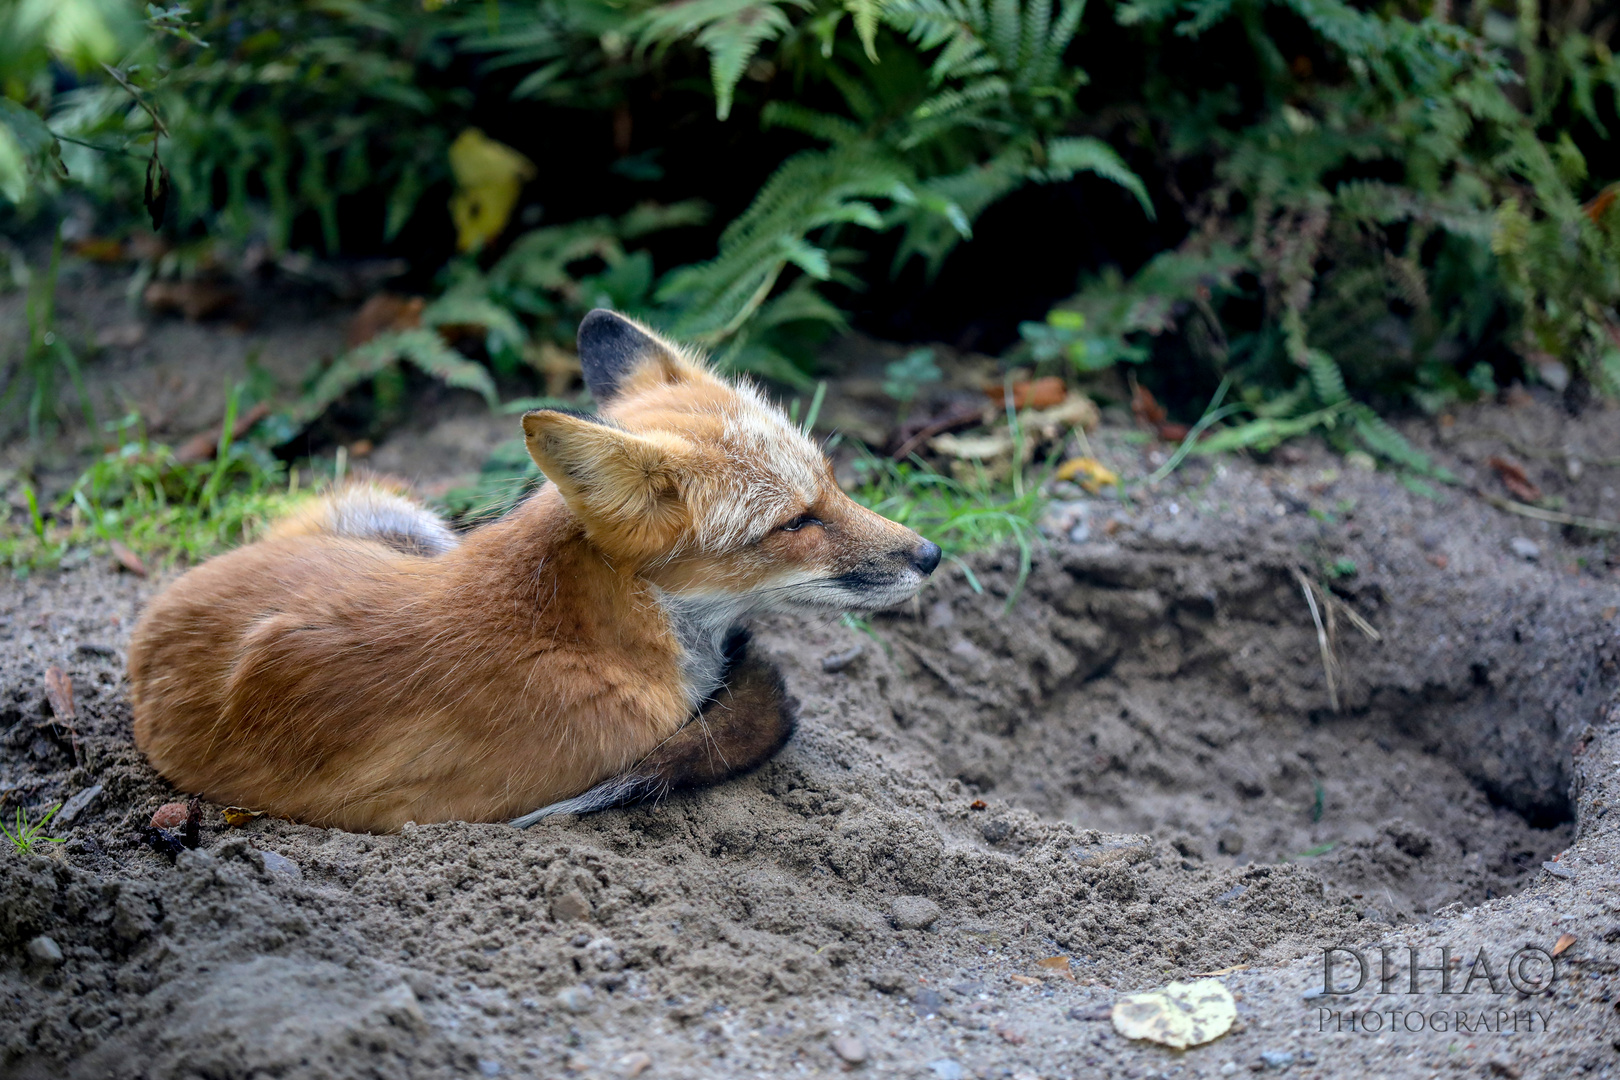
(1150,692)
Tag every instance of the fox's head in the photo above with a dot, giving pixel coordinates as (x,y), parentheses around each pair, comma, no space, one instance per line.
(709,491)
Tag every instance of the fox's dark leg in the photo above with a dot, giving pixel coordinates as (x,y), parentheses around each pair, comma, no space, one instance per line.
(746,722)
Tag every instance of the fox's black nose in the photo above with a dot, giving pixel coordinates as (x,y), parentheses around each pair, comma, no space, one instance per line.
(925,558)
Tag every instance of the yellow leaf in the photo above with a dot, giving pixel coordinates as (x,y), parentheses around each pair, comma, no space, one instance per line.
(1093,473)
(1180,1015)
(489,177)
(240,815)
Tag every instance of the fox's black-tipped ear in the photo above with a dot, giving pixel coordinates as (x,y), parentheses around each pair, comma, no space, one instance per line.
(612,349)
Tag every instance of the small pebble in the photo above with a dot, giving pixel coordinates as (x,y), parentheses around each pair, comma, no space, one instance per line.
(850,1049)
(946,1069)
(576,999)
(1525,548)
(913,912)
(1231,894)
(170,816)
(487,1067)
(1277,1059)
(76,805)
(571,906)
(280,866)
(632,1064)
(838,661)
(45,950)
(1558,871)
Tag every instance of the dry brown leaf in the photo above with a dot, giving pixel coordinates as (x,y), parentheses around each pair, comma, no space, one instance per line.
(196,300)
(59,692)
(1030,394)
(1222,971)
(240,815)
(1600,203)
(382,313)
(1057,965)
(128,559)
(1564,942)
(103,249)
(1146,407)
(1514,478)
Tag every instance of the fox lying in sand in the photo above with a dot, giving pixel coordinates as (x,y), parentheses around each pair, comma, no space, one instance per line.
(363,666)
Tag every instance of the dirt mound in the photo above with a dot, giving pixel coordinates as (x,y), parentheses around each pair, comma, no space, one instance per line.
(1133,764)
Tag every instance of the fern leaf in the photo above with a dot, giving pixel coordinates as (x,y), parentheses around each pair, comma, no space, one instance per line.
(1326,378)
(866,14)
(1069,155)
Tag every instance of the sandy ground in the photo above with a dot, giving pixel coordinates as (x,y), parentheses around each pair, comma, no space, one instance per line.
(1130,762)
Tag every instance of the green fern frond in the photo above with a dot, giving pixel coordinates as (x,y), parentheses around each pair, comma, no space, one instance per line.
(1069,155)
(1326,379)
(424,349)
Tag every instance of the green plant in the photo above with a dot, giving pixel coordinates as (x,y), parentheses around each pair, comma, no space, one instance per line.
(959,517)
(1404,199)
(140,495)
(47,357)
(904,378)
(25,837)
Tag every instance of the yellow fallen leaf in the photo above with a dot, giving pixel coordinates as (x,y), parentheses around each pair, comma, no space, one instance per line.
(1094,475)
(1180,1015)
(1564,942)
(489,176)
(240,815)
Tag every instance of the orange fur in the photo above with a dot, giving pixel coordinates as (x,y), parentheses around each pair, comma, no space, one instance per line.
(361,667)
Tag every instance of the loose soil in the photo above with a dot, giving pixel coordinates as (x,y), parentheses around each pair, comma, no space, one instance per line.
(1128,759)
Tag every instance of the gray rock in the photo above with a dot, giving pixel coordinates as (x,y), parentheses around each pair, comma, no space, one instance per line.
(1276,1059)
(280,866)
(888,980)
(913,912)
(1558,871)
(571,906)
(1226,898)
(488,1067)
(45,950)
(1525,548)
(76,805)
(946,1069)
(576,999)
(632,1064)
(851,1049)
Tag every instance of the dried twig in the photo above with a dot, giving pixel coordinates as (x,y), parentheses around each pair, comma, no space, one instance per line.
(1330,663)
(1557,517)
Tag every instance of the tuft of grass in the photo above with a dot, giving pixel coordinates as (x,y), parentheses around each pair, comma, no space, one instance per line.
(24,837)
(141,496)
(960,517)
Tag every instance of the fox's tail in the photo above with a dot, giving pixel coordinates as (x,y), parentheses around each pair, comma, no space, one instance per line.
(371,508)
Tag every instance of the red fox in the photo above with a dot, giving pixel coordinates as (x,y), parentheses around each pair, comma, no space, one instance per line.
(363,666)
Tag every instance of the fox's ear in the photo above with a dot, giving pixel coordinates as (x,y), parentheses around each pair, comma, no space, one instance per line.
(613,349)
(625,487)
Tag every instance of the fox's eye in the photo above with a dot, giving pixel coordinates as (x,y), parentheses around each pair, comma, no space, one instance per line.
(799,522)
